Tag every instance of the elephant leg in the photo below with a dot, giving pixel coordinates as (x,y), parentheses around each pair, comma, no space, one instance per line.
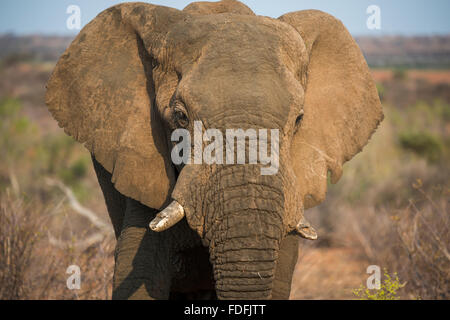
(142,269)
(287,260)
(194,279)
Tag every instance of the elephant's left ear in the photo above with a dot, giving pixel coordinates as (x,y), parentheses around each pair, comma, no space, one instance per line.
(341,109)
(102,93)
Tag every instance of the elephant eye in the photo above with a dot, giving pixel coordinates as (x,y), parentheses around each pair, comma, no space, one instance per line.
(298,122)
(180,117)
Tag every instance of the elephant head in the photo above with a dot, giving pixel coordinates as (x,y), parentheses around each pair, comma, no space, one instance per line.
(138,71)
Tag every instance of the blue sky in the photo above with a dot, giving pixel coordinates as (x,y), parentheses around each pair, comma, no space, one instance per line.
(404,17)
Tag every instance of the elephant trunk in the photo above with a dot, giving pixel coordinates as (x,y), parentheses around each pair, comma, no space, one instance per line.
(239,214)
(245,273)
(245,238)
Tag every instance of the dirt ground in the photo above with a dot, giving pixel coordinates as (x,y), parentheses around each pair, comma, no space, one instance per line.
(327,273)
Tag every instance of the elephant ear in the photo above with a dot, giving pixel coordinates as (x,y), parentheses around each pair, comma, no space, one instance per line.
(341,108)
(102,93)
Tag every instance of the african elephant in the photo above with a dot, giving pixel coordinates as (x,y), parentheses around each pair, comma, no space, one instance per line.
(138,72)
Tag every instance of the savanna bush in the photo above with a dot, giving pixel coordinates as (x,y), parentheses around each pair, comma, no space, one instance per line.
(423,144)
(32,267)
(40,234)
(30,155)
(391,203)
(388,290)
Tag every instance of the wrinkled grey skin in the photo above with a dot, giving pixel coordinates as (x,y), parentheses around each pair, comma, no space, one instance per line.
(176,256)
(119,89)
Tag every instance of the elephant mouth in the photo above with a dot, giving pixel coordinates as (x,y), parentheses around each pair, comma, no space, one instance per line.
(175,212)
(241,220)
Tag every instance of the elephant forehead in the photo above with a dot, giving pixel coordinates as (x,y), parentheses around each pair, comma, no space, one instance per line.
(248,100)
(244,41)
(234,64)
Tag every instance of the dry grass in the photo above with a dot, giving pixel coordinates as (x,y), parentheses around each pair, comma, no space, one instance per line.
(31,267)
(40,232)
(422,231)
(327,273)
(391,209)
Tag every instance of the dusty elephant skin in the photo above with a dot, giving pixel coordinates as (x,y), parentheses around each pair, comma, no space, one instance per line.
(137,72)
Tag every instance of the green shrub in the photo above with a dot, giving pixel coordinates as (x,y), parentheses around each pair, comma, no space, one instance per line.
(29,155)
(388,289)
(441,110)
(55,151)
(9,107)
(423,144)
(17,132)
(75,172)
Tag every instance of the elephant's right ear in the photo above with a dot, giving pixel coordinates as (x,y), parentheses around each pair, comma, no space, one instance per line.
(341,108)
(102,93)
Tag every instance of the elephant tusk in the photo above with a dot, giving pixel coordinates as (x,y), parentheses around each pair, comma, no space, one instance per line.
(305,230)
(167,218)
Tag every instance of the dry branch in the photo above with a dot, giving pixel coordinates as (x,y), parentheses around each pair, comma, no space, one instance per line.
(104,228)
